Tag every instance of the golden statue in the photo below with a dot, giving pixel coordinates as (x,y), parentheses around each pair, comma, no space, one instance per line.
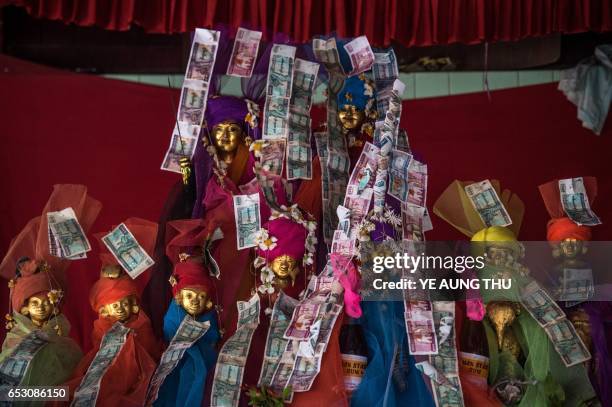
(502,315)
(194,301)
(285,268)
(226,136)
(38,308)
(351,118)
(123,308)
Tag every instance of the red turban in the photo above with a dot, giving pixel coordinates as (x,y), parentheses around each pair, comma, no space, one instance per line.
(108,290)
(559,229)
(31,283)
(192,274)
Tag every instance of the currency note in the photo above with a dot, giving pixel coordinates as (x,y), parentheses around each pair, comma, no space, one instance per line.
(267,184)
(485,200)
(358,204)
(398,175)
(402,143)
(304,372)
(567,343)
(446,361)
(203,54)
(229,370)
(364,173)
(417,183)
(189,332)
(276,118)
(192,103)
(251,187)
(248,220)
(299,126)
(384,69)
(412,222)
(540,305)
(182,145)
(113,341)
(430,371)
(299,161)
(244,53)
(326,52)
(304,80)
(67,238)
(421,337)
(575,202)
(14,367)
(361,55)
(304,315)
(280,71)
(275,340)
(127,251)
(273,156)
(343,244)
(285,367)
(577,285)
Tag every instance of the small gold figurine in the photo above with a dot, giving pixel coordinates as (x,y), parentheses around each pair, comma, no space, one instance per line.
(351,118)
(502,314)
(226,136)
(185,167)
(285,268)
(120,310)
(195,301)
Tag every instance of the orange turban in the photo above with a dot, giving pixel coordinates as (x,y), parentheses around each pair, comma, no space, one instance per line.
(559,229)
(31,283)
(109,290)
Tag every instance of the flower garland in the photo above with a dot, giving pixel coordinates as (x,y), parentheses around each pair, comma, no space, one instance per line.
(266,242)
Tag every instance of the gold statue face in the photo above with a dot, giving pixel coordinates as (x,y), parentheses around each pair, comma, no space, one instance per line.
(350,117)
(571,248)
(122,309)
(38,308)
(501,314)
(226,136)
(194,301)
(499,256)
(285,267)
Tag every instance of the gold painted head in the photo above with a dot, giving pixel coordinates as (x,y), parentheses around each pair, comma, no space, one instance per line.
(499,255)
(351,117)
(571,248)
(38,308)
(226,136)
(121,310)
(285,267)
(195,301)
(502,314)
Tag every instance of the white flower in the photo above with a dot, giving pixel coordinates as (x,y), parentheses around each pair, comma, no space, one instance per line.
(259,261)
(392,218)
(268,311)
(312,226)
(264,240)
(308,259)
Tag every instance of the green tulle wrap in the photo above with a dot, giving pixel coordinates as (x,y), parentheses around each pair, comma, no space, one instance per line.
(548,382)
(54,362)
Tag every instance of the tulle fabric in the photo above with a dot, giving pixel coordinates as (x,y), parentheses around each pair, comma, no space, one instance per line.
(552,197)
(126,381)
(455,208)
(33,240)
(390,379)
(185,385)
(54,363)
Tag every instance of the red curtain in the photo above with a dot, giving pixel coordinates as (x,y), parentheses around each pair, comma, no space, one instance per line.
(59,127)
(409,22)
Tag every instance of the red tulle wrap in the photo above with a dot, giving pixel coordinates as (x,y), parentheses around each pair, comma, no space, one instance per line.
(33,240)
(109,290)
(192,274)
(126,381)
(564,228)
(31,283)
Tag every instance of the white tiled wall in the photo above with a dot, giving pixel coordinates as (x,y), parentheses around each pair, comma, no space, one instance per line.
(418,85)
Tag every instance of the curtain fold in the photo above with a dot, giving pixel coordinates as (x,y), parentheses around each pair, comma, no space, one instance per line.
(409,22)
